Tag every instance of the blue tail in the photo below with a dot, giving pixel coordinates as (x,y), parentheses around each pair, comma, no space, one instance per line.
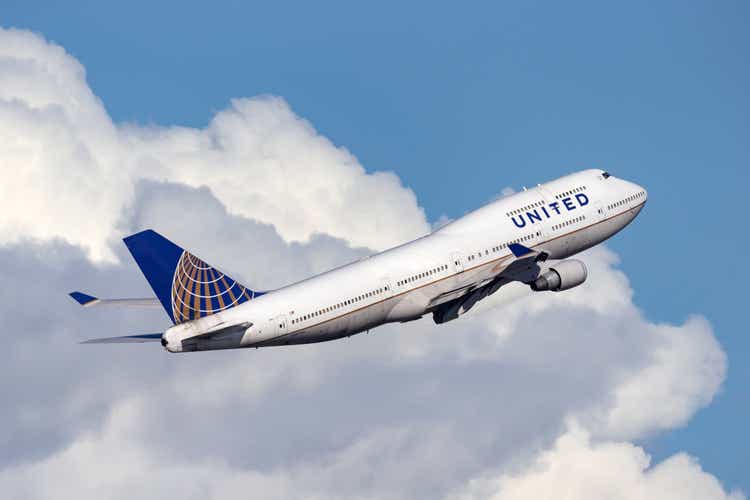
(187,287)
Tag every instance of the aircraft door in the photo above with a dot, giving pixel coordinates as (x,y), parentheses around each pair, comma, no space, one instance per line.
(376,314)
(385,283)
(457,261)
(279,325)
(600,211)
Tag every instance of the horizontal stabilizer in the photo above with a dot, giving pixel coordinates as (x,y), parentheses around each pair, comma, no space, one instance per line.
(87,300)
(128,339)
(82,298)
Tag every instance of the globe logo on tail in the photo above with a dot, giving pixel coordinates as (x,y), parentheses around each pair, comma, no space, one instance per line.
(200,290)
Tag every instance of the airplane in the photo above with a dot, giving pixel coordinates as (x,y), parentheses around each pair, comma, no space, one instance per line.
(525,237)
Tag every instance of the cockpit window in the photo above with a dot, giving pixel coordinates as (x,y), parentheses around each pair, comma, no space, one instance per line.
(605,175)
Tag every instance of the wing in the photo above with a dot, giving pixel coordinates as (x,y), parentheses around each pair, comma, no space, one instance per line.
(454,303)
(89,301)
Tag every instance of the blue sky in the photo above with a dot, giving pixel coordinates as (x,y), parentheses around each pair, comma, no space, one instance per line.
(462,100)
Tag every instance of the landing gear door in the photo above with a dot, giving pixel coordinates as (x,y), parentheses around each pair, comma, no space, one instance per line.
(457,262)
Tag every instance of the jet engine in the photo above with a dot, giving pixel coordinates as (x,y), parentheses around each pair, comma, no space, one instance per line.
(561,276)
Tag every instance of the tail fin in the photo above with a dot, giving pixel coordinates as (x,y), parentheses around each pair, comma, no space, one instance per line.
(186,286)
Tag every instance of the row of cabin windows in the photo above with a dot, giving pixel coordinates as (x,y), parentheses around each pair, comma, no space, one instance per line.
(572,191)
(523,209)
(502,246)
(537,204)
(568,222)
(630,198)
(425,274)
(341,304)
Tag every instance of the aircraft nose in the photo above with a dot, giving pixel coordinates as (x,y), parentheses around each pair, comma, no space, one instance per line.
(642,193)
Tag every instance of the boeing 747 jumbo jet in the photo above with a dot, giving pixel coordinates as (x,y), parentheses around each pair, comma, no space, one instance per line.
(525,237)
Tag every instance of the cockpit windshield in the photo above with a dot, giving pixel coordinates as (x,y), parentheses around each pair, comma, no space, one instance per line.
(605,175)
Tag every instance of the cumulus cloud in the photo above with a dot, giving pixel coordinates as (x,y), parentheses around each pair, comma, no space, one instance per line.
(660,374)
(576,468)
(526,391)
(385,411)
(74,170)
(685,369)
(107,462)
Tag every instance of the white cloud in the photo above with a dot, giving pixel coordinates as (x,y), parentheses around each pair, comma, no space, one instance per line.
(684,371)
(409,411)
(72,171)
(119,461)
(576,468)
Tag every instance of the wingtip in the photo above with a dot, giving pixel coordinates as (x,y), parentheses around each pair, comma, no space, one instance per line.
(83,298)
(519,250)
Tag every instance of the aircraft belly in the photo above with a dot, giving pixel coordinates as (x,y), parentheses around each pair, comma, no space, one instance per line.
(347,325)
(597,233)
(409,306)
(578,241)
(329,330)
(592,236)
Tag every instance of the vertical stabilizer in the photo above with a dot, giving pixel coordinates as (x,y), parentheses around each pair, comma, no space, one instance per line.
(187,287)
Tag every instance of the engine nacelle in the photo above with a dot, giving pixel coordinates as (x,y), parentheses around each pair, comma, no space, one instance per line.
(562,275)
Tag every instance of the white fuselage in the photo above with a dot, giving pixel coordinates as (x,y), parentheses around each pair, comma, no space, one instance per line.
(561,218)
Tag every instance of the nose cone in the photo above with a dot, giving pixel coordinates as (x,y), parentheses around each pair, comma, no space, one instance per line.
(641,201)
(631,188)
